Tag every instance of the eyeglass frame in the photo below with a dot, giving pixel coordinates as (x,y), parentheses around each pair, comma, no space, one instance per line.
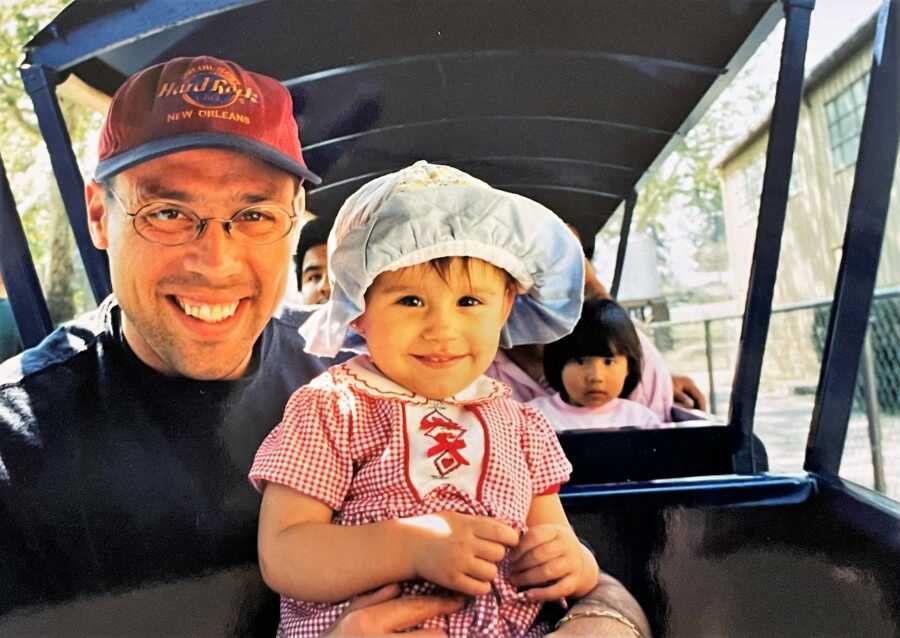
(202,222)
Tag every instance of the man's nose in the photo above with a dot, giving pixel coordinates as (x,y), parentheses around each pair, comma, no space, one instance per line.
(325,286)
(214,251)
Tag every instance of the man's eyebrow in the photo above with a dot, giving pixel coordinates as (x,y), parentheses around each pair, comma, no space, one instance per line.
(313,267)
(154,190)
(157,190)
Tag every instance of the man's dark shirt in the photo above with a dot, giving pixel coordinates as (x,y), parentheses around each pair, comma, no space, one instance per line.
(113,475)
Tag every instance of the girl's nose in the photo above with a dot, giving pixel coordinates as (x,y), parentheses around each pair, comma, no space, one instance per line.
(439,325)
(594,369)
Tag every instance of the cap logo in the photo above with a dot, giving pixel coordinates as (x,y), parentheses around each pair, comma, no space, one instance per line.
(209,86)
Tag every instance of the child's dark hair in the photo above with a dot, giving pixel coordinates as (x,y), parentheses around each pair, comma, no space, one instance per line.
(604,330)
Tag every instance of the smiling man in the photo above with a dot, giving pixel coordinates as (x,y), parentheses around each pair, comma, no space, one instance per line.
(126,436)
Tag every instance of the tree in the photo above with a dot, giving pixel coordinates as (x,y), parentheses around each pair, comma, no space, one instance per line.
(27,164)
(681,204)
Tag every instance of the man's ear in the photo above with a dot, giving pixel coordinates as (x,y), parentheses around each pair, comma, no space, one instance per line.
(95,198)
(300,201)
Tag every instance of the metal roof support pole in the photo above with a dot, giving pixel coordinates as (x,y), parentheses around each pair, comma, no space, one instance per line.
(25,295)
(40,83)
(863,236)
(630,203)
(770,225)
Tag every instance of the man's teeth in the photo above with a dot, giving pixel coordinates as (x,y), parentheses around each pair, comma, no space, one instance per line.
(206,312)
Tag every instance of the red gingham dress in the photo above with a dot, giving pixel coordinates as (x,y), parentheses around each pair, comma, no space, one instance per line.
(478,452)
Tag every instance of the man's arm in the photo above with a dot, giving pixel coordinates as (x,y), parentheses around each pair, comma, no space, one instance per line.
(385,613)
(609,596)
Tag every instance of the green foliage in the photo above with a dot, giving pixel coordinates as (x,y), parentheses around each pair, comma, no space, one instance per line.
(27,164)
(681,204)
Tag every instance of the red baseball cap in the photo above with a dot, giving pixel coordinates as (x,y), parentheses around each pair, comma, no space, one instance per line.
(200,102)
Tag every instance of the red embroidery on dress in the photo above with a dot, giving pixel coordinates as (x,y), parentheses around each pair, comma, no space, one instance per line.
(448,436)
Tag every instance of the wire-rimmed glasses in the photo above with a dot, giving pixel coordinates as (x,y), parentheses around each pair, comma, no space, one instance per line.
(172,223)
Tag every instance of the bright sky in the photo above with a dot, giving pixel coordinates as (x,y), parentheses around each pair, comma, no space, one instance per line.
(832,22)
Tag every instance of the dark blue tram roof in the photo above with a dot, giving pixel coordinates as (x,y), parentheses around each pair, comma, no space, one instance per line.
(571,112)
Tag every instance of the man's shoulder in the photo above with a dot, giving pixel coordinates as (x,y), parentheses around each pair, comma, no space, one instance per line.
(63,345)
(292,315)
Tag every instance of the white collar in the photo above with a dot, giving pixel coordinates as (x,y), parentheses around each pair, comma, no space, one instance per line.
(362,374)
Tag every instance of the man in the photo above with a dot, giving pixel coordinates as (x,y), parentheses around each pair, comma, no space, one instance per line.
(311,262)
(126,436)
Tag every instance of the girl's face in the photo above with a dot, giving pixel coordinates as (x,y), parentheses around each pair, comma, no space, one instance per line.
(431,336)
(592,382)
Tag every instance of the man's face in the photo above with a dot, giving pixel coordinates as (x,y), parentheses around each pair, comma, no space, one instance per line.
(432,336)
(196,309)
(314,285)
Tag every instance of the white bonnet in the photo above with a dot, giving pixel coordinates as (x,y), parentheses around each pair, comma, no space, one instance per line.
(427,211)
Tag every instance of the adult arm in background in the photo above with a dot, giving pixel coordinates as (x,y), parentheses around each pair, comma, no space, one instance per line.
(687,394)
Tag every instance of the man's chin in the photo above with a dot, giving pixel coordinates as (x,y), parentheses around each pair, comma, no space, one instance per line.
(225,371)
(210,363)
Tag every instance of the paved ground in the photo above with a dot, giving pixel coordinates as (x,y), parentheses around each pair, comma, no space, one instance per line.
(782,422)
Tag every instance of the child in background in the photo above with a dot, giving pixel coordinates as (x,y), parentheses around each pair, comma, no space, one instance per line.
(406,464)
(592,369)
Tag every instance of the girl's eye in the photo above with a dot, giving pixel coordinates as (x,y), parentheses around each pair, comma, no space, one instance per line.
(608,361)
(469,301)
(579,360)
(411,300)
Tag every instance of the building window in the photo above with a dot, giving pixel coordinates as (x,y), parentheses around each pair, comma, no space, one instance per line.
(845,116)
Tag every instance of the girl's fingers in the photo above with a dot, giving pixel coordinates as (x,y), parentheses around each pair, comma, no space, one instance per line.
(534,537)
(482,570)
(543,573)
(465,584)
(537,556)
(554,591)
(488,551)
(495,531)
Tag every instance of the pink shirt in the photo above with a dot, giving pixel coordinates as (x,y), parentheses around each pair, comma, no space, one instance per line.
(372,450)
(654,390)
(614,414)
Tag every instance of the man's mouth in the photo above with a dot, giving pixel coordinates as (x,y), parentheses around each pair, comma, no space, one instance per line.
(210,313)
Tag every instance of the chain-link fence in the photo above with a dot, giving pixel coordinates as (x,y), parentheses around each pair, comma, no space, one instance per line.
(706,351)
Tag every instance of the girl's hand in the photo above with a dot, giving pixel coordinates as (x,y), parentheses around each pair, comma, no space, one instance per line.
(459,551)
(552,561)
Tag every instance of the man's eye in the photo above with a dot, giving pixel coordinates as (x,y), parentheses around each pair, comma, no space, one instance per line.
(469,301)
(165,215)
(254,215)
(312,278)
(411,300)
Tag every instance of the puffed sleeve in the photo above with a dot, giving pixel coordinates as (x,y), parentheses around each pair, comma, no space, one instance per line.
(309,451)
(547,462)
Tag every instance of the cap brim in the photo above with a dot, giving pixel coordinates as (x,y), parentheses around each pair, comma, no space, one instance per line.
(158,148)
